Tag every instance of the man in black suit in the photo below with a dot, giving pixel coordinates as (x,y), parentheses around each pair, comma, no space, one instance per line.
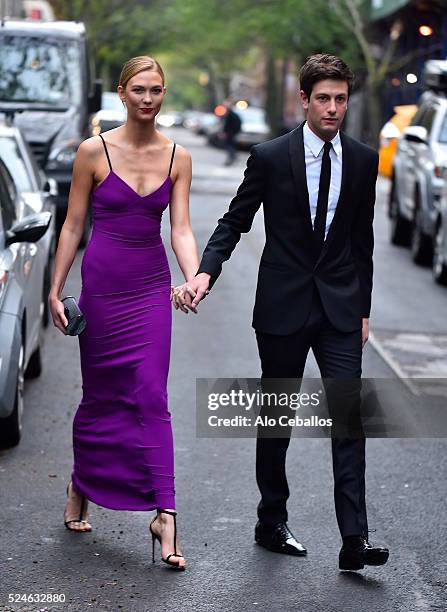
(317,187)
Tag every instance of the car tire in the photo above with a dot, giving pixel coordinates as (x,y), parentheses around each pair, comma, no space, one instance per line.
(11,426)
(421,244)
(46,291)
(439,265)
(399,226)
(34,369)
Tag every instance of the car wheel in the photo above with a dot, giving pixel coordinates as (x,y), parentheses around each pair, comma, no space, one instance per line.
(421,246)
(11,426)
(439,256)
(46,291)
(34,369)
(399,226)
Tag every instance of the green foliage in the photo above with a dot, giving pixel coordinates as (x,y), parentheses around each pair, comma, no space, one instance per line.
(208,38)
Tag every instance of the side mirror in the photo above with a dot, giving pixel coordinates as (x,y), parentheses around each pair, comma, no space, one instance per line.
(50,187)
(95,98)
(416,133)
(29,229)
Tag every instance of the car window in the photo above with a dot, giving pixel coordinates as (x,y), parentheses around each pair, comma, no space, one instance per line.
(38,173)
(443,131)
(10,154)
(7,197)
(418,116)
(427,119)
(111,101)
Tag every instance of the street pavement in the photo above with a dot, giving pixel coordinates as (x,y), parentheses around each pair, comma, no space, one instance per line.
(111,568)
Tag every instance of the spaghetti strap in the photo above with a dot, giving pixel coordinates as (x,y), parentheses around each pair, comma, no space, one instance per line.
(172,159)
(105,149)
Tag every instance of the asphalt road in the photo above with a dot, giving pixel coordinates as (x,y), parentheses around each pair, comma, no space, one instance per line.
(111,569)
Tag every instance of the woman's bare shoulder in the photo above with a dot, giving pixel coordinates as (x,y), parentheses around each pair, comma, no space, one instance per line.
(181,153)
(91,147)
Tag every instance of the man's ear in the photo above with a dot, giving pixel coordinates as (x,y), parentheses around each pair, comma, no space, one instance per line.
(304,99)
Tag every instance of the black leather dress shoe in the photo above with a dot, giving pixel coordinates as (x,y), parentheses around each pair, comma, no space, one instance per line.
(279,539)
(357,552)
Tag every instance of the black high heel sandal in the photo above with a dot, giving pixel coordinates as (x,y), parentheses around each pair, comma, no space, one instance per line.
(81,514)
(155,536)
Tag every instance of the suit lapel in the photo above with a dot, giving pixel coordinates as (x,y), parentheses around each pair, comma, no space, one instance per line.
(342,201)
(297,162)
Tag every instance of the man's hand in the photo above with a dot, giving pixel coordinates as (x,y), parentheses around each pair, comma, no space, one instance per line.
(188,295)
(181,297)
(365,331)
(200,284)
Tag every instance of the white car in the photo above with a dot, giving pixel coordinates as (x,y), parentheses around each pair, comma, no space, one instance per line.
(38,194)
(111,114)
(23,258)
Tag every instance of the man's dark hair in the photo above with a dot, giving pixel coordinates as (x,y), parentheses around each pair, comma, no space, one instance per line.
(323,66)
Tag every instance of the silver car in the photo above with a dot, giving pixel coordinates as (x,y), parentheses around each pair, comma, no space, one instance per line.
(417,181)
(111,114)
(21,303)
(38,194)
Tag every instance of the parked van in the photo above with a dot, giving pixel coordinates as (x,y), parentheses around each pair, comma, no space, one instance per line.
(47,91)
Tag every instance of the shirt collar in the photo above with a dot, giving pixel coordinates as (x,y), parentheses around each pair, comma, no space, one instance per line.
(315,143)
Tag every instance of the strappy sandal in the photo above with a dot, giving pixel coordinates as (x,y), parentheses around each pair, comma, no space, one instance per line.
(155,536)
(81,514)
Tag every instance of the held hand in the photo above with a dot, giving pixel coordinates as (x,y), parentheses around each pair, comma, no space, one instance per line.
(365,332)
(181,298)
(191,293)
(57,312)
(200,284)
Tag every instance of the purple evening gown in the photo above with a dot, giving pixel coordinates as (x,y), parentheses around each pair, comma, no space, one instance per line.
(122,436)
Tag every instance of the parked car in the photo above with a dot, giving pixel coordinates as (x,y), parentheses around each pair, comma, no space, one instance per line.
(205,123)
(191,119)
(417,179)
(254,128)
(21,304)
(170,119)
(38,194)
(111,114)
(47,88)
(439,265)
(390,134)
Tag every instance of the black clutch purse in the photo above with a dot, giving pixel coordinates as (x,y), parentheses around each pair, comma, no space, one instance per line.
(75,317)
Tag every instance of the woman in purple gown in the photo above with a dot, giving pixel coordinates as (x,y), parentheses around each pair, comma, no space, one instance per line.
(122,436)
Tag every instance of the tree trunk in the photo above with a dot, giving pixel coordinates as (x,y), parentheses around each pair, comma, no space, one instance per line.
(374,120)
(271,92)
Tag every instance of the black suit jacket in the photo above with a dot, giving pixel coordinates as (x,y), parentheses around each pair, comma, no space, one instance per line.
(290,270)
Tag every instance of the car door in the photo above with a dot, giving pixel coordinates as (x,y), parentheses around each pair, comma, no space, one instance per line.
(425,162)
(410,152)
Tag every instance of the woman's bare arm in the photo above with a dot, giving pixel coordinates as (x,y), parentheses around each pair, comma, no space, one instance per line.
(73,227)
(182,238)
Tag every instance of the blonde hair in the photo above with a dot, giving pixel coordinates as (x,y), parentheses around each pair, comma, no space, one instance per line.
(136,65)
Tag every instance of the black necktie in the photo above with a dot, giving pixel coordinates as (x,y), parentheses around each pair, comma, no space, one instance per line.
(323,196)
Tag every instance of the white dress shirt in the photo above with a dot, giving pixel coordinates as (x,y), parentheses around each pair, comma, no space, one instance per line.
(313,155)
